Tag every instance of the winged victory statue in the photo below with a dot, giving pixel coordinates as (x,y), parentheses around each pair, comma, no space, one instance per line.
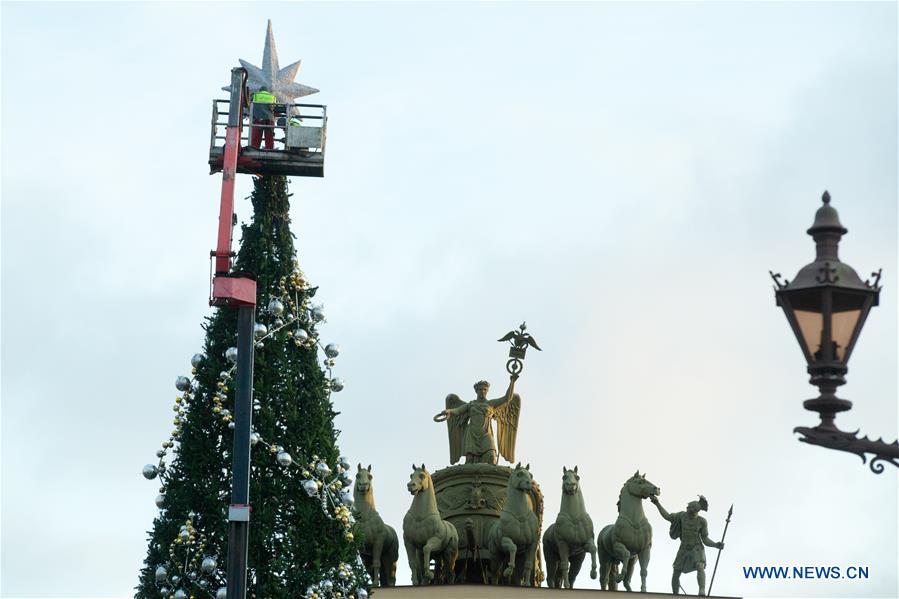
(470,424)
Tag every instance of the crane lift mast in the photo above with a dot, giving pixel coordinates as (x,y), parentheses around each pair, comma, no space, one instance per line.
(236,290)
(303,155)
(231,289)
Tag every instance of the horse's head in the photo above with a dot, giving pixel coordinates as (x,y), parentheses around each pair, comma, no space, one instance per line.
(419,480)
(638,486)
(521,478)
(363,479)
(570,481)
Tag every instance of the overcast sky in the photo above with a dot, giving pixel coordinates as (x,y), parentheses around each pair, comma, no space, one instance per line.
(621,176)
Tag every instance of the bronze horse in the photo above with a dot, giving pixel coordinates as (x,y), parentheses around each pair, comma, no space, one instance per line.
(570,538)
(426,533)
(380,546)
(630,538)
(515,532)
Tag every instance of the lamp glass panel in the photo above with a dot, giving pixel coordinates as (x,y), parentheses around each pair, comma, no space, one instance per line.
(842,326)
(810,324)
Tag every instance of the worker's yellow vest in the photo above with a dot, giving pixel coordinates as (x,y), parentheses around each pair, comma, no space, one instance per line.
(264,98)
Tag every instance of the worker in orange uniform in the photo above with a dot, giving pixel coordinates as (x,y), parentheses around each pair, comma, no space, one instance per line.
(263,115)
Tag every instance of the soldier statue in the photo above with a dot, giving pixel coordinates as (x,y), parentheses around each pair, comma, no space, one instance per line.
(470,425)
(693,531)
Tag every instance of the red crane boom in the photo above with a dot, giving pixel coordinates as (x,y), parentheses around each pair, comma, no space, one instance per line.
(231,289)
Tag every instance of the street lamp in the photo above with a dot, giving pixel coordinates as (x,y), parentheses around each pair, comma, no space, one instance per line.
(826,305)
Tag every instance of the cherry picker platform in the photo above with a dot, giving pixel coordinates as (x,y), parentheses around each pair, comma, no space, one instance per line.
(299,132)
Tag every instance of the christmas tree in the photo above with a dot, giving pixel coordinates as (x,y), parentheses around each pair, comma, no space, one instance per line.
(300,541)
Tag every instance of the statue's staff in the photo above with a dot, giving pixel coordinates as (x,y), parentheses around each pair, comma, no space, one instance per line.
(520,342)
(724,534)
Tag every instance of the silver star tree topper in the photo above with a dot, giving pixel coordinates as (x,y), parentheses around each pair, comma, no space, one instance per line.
(279,81)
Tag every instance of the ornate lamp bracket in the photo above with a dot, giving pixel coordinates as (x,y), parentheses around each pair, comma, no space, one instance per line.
(876,283)
(780,284)
(852,443)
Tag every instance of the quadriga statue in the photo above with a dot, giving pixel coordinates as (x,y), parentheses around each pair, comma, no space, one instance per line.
(380,548)
(426,534)
(476,496)
(570,538)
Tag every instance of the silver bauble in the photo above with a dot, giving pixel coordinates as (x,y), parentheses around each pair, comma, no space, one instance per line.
(180,594)
(260,345)
(346,498)
(176,579)
(323,469)
(361,594)
(284,458)
(275,307)
(278,323)
(160,500)
(254,438)
(164,591)
(150,471)
(192,575)
(185,536)
(222,593)
(344,462)
(341,574)
(197,359)
(208,565)
(332,350)
(231,426)
(159,453)
(336,385)
(310,487)
(161,574)
(182,383)
(301,335)
(327,585)
(191,514)
(260,330)
(318,314)
(231,354)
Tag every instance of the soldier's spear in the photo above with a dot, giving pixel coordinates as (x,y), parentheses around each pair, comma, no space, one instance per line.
(724,534)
